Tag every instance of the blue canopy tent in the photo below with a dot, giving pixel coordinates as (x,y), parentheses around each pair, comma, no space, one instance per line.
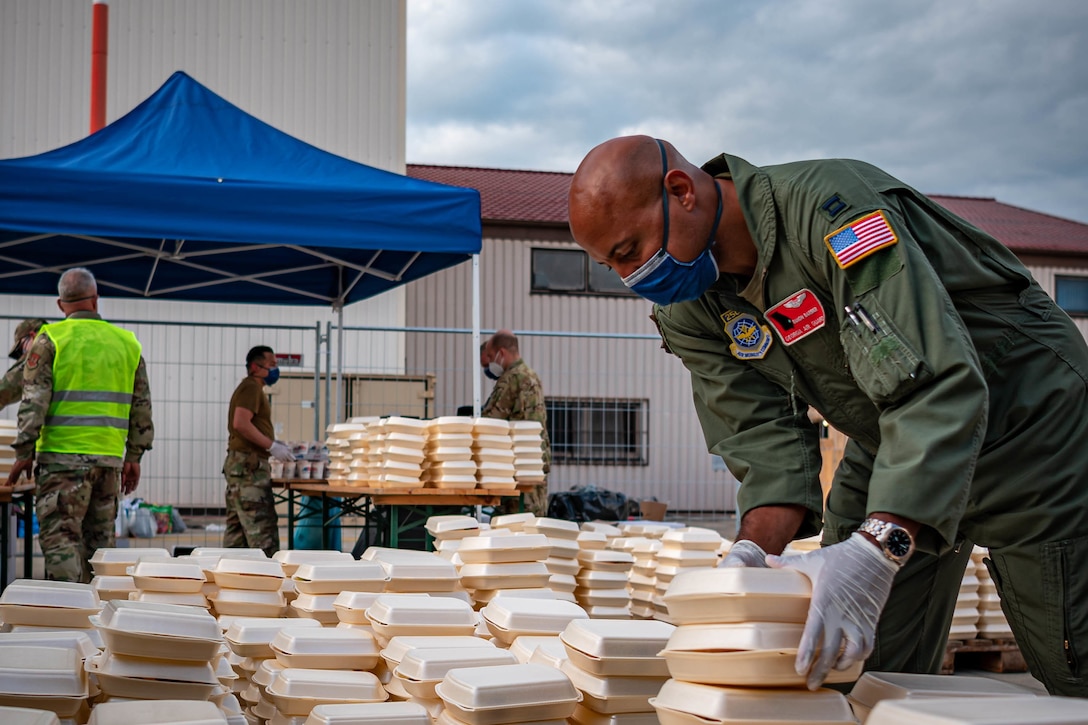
(188,197)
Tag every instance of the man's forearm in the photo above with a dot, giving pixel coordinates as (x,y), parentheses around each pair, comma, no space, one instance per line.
(772,527)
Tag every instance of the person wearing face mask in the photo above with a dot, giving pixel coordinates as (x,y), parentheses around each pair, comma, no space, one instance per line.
(251,508)
(11,385)
(85,420)
(518,395)
(963,388)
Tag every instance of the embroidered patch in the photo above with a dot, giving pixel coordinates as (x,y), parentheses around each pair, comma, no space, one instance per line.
(750,339)
(860,238)
(32,360)
(797,316)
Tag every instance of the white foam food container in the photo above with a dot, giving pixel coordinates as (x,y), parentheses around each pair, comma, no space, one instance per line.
(393,615)
(523,647)
(602,597)
(229,553)
(553,654)
(507,694)
(450,424)
(249,602)
(37,671)
(570,567)
(684,703)
(37,593)
(370,713)
(157,712)
(422,668)
(875,687)
(615,647)
(252,636)
(452,526)
(245,573)
(74,639)
(508,618)
(110,663)
(419,574)
(113,561)
(603,527)
(351,606)
(291,559)
(735,637)
(613,695)
(398,647)
(267,671)
(980,711)
(448,440)
(752,668)
(110,586)
(697,596)
(510,575)
(605,559)
(515,522)
(554,528)
(167,576)
(593,579)
(315,606)
(483,596)
(141,629)
(584,716)
(325,648)
(504,549)
(398,424)
(687,558)
(563,548)
(490,426)
(339,576)
(27,716)
(691,538)
(562,583)
(297,690)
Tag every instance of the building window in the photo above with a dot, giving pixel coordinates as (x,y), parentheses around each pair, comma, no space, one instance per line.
(571,271)
(1072,294)
(596,431)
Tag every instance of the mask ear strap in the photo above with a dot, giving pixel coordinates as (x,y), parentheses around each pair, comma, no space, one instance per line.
(664,194)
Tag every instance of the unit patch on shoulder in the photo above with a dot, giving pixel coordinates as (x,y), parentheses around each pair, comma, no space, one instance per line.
(860,238)
(32,360)
(797,316)
(750,339)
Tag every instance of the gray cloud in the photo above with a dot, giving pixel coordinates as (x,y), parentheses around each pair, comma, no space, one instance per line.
(971,97)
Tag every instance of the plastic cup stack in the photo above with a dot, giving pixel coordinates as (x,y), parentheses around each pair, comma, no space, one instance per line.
(449,462)
(992,623)
(493,452)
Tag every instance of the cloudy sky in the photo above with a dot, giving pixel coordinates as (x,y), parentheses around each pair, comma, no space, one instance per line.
(969,97)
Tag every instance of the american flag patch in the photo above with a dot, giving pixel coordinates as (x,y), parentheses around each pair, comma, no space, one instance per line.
(860,238)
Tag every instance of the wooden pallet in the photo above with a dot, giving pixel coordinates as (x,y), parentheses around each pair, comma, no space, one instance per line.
(989,655)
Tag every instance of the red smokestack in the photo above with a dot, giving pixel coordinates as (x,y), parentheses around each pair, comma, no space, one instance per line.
(100,35)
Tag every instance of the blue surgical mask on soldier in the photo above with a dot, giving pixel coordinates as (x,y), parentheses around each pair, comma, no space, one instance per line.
(663,278)
(273,376)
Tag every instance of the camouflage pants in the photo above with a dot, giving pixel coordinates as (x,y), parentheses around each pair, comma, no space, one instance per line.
(77,509)
(251,508)
(535,499)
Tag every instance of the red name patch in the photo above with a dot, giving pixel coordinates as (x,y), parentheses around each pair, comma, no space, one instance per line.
(797,316)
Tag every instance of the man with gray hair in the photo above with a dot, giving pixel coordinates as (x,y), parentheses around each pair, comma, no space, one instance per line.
(86,414)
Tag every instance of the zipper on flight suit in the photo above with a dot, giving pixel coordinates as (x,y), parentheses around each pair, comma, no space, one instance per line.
(1067,645)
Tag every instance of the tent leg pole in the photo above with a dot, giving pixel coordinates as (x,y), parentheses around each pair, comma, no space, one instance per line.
(339,354)
(328,376)
(474,352)
(317,382)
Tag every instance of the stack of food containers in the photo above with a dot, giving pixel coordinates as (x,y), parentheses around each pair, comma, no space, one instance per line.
(111,564)
(8,430)
(358,473)
(528,693)
(740,628)
(422,668)
(340,450)
(292,559)
(296,691)
(395,615)
(491,564)
(610,531)
(965,617)
(168,582)
(508,618)
(449,531)
(642,579)
(512,522)
(493,452)
(414,572)
(398,647)
(527,437)
(449,462)
(617,667)
(29,605)
(682,549)
(319,584)
(157,652)
(157,712)
(562,560)
(253,659)
(602,583)
(50,679)
(396,452)
(249,587)
(992,623)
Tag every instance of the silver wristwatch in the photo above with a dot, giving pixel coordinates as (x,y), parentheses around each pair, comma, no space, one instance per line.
(895,542)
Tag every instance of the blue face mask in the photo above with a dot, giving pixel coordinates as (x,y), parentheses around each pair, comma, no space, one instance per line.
(273,376)
(663,278)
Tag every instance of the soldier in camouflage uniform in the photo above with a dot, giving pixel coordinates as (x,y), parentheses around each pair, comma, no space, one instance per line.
(11,385)
(86,411)
(251,507)
(518,395)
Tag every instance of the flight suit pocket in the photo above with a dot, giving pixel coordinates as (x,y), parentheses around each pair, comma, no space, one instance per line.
(881,361)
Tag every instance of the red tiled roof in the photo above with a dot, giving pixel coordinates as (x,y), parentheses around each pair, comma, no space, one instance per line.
(540,197)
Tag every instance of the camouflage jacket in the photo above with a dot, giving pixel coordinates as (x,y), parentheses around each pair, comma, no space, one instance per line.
(11,385)
(518,395)
(38,394)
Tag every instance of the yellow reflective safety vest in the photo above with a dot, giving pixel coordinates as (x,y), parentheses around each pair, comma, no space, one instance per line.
(93,374)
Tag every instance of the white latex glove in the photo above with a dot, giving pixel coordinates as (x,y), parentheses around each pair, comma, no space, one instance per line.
(281,452)
(851,581)
(744,553)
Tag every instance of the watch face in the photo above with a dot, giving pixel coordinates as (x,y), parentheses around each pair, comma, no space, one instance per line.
(898,543)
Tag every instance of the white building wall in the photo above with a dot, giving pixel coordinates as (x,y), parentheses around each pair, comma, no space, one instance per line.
(329,72)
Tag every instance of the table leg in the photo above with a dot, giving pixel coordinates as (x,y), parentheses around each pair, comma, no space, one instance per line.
(324,521)
(290,517)
(28,535)
(394,526)
(5,532)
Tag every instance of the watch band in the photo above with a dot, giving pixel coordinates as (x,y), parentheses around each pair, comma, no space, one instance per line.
(882,531)
(876,528)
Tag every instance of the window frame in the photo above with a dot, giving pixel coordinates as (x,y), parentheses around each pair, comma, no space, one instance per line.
(577,447)
(1081,280)
(586,289)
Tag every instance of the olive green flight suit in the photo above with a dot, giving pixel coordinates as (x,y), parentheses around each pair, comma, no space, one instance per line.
(961,384)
